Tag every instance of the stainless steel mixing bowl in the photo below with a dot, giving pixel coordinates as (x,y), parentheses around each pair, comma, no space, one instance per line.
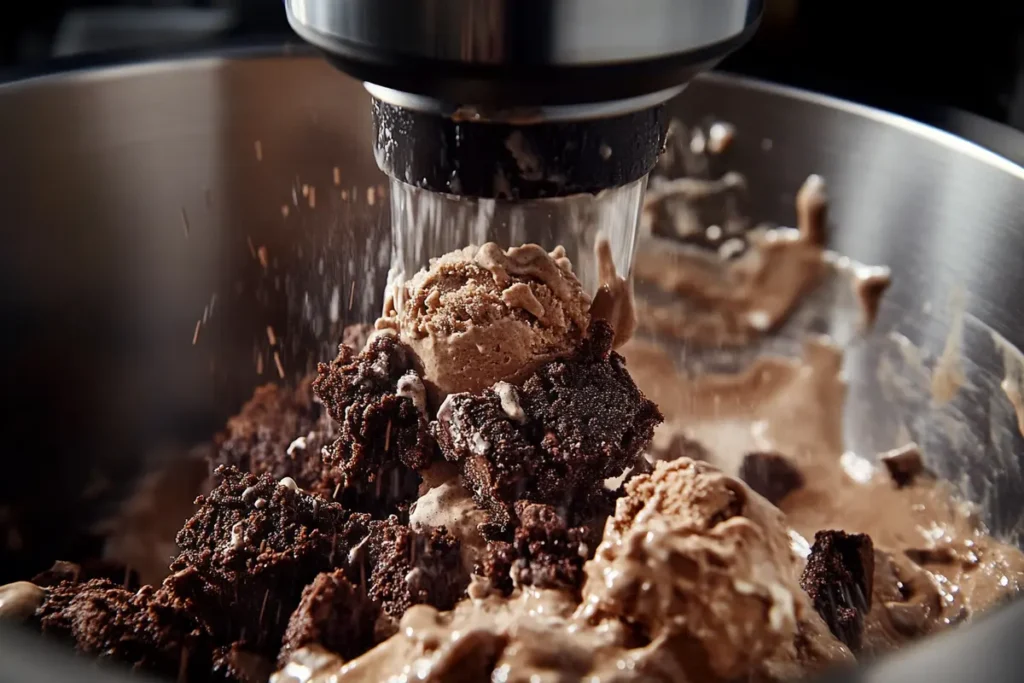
(158,217)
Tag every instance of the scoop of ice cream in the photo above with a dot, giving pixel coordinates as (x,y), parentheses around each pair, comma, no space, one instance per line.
(694,555)
(480,315)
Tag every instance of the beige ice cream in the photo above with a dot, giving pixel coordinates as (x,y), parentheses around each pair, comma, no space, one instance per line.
(695,556)
(480,315)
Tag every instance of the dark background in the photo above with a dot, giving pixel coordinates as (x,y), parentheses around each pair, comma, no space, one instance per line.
(906,56)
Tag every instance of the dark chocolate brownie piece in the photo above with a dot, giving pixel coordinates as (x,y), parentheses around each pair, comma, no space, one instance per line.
(280,431)
(383,436)
(579,421)
(402,567)
(333,614)
(145,629)
(544,553)
(250,549)
(771,474)
(839,579)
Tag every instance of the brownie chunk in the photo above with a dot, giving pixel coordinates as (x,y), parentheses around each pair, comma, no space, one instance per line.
(333,614)
(839,579)
(145,629)
(402,567)
(573,424)
(770,474)
(544,553)
(383,436)
(282,432)
(250,549)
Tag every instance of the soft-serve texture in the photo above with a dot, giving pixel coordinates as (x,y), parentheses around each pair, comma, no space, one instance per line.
(498,484)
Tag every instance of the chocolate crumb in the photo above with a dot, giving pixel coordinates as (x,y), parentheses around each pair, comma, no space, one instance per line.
(839,579)
(941,555)
(904,464)
(772,475)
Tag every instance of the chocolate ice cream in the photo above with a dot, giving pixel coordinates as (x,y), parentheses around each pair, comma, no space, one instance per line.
(692,554)
(483,314)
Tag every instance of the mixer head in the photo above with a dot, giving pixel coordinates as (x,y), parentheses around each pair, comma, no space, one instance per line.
(524,101)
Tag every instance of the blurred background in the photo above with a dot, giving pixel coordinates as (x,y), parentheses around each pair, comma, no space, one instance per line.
(913,57)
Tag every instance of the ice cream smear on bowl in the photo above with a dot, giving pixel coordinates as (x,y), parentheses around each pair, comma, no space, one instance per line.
(510,480)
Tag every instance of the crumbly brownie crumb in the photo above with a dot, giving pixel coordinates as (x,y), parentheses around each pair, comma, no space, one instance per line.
(378,400)
(333,614)
(839,579)
(583,421)
(771,474)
